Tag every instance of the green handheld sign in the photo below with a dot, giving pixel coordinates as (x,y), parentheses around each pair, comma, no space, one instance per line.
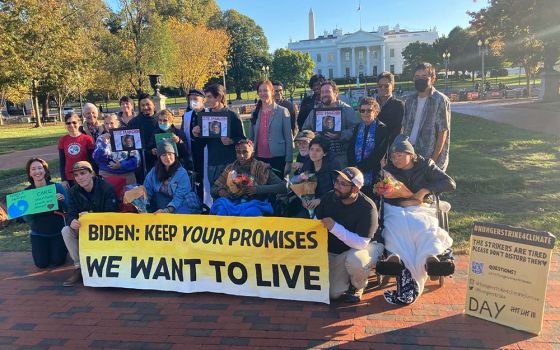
(37,200)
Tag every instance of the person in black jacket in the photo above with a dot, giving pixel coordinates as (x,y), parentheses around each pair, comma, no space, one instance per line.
(147,122)
(368,145)
(411,229)
(310,102)
(221,151)
(392,109)
(89,194)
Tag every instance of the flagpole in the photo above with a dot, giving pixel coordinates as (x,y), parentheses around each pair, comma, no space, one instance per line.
(360,11)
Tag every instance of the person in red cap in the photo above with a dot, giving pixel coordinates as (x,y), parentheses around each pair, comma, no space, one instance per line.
(351,219)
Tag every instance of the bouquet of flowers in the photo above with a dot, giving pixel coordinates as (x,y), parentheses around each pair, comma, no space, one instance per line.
(237,182)
(136,195)
(304,185)
(390,187)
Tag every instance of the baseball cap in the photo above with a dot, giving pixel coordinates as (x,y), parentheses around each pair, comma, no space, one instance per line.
(353,175)
(195,92)
(307,135)
(82,165)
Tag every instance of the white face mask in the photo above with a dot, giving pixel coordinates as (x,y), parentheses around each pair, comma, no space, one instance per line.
(194,104)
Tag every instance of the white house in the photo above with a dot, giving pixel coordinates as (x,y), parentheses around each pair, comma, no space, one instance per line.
(362,53)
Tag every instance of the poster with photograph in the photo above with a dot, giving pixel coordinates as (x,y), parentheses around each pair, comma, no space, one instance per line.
(126,140)
(328,120)
(214,125)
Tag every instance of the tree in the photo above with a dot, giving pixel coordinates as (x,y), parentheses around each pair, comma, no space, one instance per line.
(195,12)
(416,53)
(292,68)
(526,32)
(198,54)
(248,51)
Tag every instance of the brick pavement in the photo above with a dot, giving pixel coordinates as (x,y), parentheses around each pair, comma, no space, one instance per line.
(36,312)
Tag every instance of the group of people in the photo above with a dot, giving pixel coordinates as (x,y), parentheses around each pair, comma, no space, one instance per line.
(247,175)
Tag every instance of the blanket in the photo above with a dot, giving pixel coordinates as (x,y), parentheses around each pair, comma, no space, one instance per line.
(224,206)
(414,234)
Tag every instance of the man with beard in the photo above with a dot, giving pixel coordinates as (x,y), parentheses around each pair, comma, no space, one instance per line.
(427,117)
(351,219)
(349,119)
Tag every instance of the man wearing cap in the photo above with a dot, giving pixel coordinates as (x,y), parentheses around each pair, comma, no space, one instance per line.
(196,100)
(302,140)
(351,219)
(90,194)
(281,101)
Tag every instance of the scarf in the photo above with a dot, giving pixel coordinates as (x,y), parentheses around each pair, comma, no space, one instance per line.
(365,144)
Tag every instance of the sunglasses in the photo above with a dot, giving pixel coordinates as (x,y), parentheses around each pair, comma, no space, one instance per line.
(71,123)
(367,110)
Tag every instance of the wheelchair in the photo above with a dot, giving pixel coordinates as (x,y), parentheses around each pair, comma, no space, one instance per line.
(437,270)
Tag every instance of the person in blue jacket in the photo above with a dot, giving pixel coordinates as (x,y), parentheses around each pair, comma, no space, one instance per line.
(119,163)
(168,185)
(47,245)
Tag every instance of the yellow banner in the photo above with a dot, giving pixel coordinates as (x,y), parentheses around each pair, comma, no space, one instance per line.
(508,275)
(266,257)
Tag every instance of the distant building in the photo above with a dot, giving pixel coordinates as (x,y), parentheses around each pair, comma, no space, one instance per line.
(362,53)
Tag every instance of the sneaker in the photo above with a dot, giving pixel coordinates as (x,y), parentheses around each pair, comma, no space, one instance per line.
(75,278)
(353,294)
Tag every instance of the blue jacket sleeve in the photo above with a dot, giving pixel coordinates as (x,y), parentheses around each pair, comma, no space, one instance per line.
(183,195)
(131,163)
(149,184)
(62,205)
(102,153)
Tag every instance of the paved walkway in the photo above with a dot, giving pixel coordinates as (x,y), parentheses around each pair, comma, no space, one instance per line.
(18,159)
(526,114)
(37,313)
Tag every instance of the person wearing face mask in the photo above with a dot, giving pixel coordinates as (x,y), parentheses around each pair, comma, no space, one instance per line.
(120,163)
(427,117)
(338,141)
(91,126)
(392,109)
(165,125)
(196,100)
(147,123)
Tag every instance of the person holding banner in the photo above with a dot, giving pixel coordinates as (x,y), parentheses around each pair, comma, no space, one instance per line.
(351,219)
(73,148)
(47,245)
(89,194)
(245,185)
(411,229)
(121,163)
(168,185)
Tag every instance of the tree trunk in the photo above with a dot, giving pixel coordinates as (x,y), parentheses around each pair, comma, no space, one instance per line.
(35,103)
(528,79)
(238,92)
(45,106)
(550,76)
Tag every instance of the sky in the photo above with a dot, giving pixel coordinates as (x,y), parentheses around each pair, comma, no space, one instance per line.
(283,20)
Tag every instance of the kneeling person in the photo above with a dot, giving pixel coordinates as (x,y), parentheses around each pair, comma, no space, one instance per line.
(351,219)
(90,194)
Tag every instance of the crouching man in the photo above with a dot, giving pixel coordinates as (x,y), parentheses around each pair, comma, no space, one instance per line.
(351,219)
(90,194)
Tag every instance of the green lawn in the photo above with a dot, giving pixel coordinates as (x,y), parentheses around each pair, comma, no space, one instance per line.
(22,137)
(504,175)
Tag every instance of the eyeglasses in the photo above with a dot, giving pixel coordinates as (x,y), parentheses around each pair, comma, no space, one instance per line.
(71,123)
(366,110)
(342,183)
(384,86)
(278,90)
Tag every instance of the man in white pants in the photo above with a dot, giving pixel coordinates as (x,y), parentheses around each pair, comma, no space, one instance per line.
(351,219)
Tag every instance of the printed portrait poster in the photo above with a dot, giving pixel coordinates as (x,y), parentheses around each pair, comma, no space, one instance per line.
(328,120)
(508,274)
(126,140)
(214,125)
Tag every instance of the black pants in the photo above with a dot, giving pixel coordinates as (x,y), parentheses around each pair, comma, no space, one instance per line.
(48,251)
(276,163)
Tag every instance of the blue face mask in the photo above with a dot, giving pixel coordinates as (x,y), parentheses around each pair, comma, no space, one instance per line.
(164,127)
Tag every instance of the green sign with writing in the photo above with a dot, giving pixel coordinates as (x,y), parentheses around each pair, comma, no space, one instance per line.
(37,200)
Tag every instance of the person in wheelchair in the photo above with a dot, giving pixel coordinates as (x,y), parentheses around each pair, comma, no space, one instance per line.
(246,186)
(411,231)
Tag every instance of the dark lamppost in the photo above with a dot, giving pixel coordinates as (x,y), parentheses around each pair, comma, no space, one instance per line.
(483,51)
(446,55)
(224,65)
